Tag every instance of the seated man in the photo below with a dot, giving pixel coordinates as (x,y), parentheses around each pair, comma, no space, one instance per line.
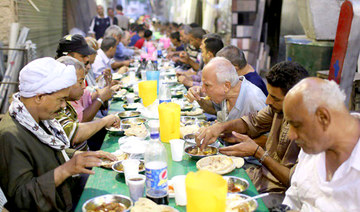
(327,176)
(147,37)
(77,132)
(237,58)
(117,33)
(175,40)
(209,47)
(233,96)
(104,55)
(122,51)
(278,154)
(35,162)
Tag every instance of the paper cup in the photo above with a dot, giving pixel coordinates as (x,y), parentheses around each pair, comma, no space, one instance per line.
(177,149)
(130,98)
(136,185)
(180,189)
(131,168)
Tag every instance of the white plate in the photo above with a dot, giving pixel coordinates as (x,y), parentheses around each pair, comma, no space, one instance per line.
(133,145)
(116,76)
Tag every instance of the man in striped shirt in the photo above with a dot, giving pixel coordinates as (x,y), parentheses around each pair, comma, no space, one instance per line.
(79,133)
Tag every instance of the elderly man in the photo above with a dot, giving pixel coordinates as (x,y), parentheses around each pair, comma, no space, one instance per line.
(233,96)
(122,52)
(77,132)
(327,176)
(278,154)
(99,23)
(237,58)
(35,163)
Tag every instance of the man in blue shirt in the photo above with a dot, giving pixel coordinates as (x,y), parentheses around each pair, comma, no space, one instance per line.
(122,52)
(237,58)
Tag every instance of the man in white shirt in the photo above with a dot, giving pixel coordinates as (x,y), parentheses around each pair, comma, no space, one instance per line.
(231,96)
(327,177)
(104,55)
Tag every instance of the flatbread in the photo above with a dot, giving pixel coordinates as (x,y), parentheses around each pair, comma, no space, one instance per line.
(190,129)
(146,205)
(106,163)
(219,164)
(196,112)
(138,130)
(239,161)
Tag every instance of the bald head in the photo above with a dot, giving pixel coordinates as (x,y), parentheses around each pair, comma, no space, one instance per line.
(224,70)
(314,92)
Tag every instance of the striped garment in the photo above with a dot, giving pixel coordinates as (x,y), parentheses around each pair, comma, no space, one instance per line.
(70,123)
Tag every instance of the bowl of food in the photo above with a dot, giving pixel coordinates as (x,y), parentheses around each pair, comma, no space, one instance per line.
(236,184)
(130,121)
(177,94)
(196,153)
(187,107)
(136,99)
(118,167)
(116,131)
(119,95)
(108,202)
(233,206)
(131,106)
(186,120)
(204,124)
(128,114)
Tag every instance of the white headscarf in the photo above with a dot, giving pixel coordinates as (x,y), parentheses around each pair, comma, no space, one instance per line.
(45,75)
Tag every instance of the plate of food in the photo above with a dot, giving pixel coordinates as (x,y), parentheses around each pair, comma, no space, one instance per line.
(196,153)
(118,167)
(236,184)
(232,206)
(189,130)
(219,164)
(138,130)
(171,189)
(146,205)
(128,114)
(108,202)
(120,155)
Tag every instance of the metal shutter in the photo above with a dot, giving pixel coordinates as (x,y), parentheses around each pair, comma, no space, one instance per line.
(46,26)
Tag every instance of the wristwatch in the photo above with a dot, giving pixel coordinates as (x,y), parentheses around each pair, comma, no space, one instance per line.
(266,153)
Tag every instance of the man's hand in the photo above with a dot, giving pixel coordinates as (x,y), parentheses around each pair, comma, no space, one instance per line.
(105,93)
(184,57)
(115,88)
(246,147)
(185,80)
(208,135)
(107,76)
(112,121)
(193,94)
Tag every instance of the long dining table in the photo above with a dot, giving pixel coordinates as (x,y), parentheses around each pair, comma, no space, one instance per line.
(107,181)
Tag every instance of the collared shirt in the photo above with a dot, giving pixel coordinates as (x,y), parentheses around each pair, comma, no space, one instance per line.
(70,123)
(123,53)
(279,147)
(255,79)
(309,190)
(250,100)
(101,62)
(134,39)
(192,52)
(80,105)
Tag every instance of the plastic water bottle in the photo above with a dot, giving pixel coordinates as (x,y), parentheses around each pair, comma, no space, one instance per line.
(150,66)
(156,170)
(164,93)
